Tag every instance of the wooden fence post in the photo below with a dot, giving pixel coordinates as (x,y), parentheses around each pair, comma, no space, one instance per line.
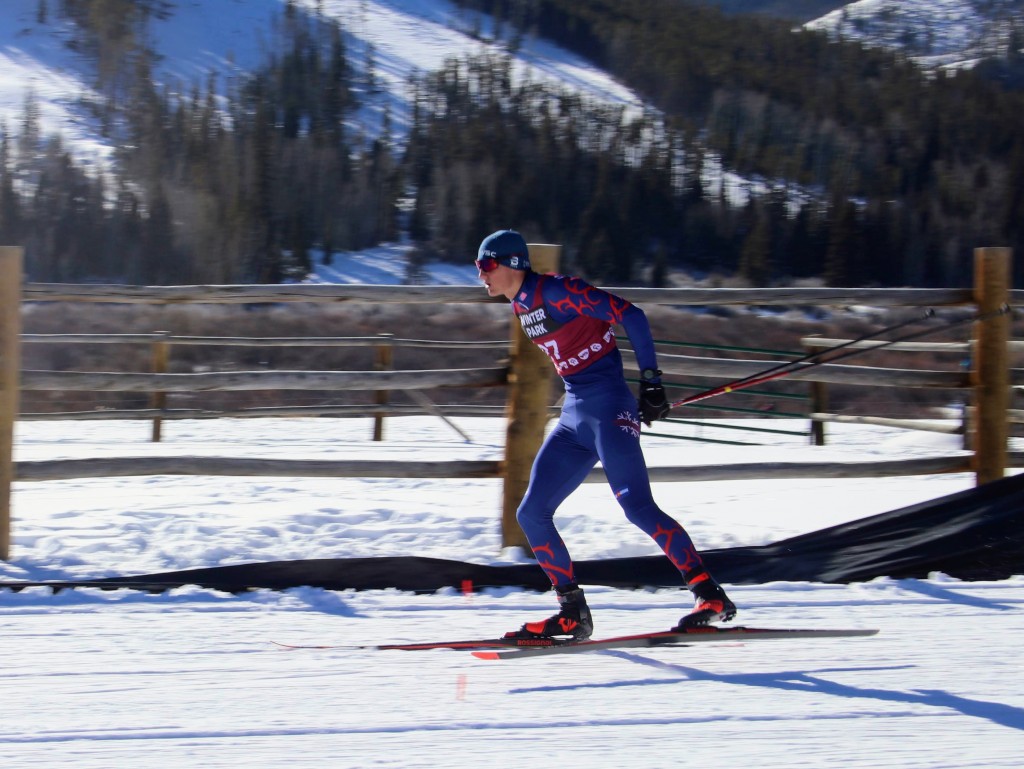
(529,398)
(990,375)
(10,367)
(158,400)
(819,405)
(384,361)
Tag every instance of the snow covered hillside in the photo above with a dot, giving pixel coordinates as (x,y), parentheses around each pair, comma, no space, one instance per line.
(394,38)
(937,33)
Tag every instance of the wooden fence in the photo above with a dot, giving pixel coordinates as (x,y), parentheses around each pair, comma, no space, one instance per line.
(10,366)
(528,376)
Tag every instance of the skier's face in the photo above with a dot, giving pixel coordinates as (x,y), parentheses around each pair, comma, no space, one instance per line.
(501,280)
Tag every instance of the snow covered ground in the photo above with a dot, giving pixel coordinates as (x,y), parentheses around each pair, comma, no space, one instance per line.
(190,678)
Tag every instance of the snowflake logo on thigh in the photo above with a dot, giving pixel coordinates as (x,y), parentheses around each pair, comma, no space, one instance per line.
(628,423)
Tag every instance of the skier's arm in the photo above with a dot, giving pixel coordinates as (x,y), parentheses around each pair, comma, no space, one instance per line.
(638,329)
(652,402)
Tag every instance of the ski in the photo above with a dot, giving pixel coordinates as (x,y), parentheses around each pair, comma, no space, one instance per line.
(469,645)
(673,638)
(510,648)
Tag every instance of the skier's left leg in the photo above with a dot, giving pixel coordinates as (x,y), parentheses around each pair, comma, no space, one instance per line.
(618,446)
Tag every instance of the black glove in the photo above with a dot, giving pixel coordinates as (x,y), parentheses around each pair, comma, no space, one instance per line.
(652,403)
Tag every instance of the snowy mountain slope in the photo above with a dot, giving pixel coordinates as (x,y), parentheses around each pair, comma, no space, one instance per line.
(395,38)
(36,64)
(937,33)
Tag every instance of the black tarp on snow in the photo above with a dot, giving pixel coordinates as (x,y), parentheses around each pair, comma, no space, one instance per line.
(977,534)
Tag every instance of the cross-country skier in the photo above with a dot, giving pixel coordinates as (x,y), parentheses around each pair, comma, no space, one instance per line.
(572,322)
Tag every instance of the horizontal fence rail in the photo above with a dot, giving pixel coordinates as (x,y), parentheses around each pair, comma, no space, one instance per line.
(922,425)
(256,341)
(821,372)
(358,411)
(262,380)
(119,467)
(254,294)
(61,469)
(324,293)
(958,347)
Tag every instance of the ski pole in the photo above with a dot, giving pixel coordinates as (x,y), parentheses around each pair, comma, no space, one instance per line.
(925,332)
(781,369)
(817,358)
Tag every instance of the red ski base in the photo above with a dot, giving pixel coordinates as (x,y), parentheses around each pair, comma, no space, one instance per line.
(672,638)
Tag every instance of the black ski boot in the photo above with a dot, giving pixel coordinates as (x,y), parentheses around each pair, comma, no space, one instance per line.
(711,604)
(573,622)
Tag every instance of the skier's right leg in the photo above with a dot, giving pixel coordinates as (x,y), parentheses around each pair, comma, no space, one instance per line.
(560,467)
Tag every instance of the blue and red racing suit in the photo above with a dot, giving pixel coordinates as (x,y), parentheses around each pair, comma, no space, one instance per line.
(571,321)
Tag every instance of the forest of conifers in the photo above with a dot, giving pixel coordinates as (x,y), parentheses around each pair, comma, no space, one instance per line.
(870,171)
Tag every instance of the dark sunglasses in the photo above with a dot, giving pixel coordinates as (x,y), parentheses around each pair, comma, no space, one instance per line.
(487,264)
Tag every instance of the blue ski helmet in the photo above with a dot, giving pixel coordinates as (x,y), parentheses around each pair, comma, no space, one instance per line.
(507,247)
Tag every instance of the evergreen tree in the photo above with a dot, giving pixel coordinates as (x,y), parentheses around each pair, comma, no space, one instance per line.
(843,251)
(10,203)
(756,253)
